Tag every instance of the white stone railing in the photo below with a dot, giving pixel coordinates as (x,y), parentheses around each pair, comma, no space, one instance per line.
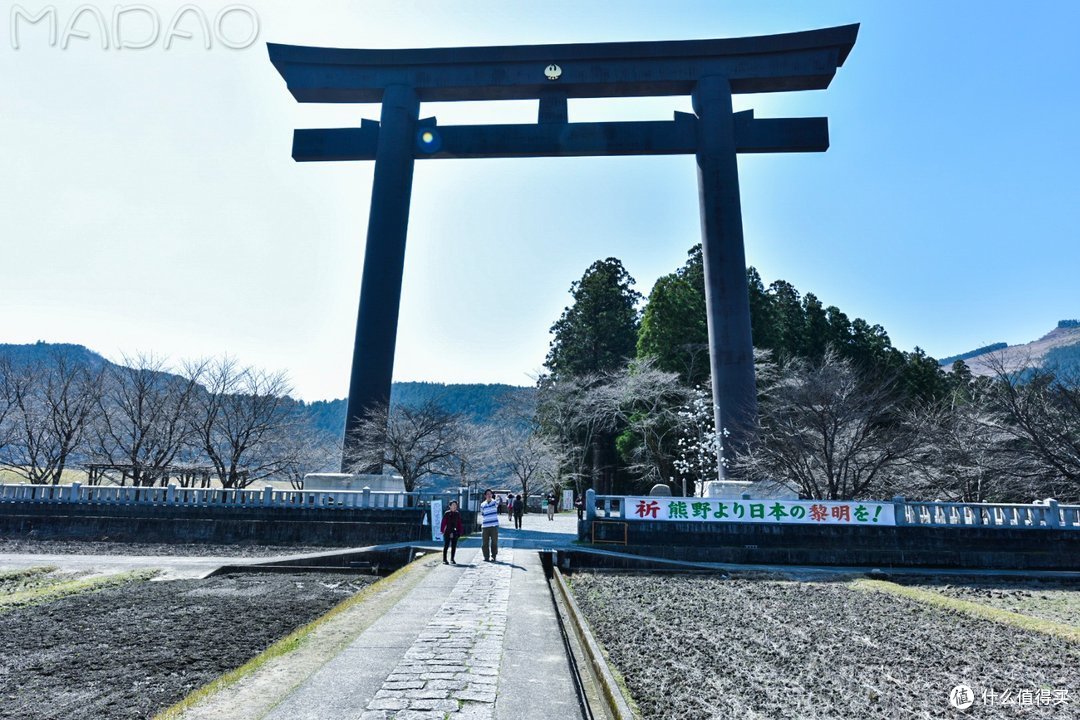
(174,496)
(1047,515)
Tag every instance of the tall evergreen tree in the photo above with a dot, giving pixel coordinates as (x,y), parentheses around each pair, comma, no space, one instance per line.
(598,332)
(595,336)
(761,322)
(787,319)
(816,329)
(839,334)
(674,332)
(922,378)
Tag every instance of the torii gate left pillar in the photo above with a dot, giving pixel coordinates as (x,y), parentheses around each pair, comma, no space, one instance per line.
(711,71)
(384,261)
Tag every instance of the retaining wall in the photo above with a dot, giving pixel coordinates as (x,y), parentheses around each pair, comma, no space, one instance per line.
(225,525)
(792,544)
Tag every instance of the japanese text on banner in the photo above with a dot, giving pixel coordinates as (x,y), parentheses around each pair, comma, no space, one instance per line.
(759,511)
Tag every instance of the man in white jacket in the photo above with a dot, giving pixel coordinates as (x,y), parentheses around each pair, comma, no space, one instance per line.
(489,523)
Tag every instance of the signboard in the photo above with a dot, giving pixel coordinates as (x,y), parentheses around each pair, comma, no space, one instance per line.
(567,500)
(710,510)
(436,520)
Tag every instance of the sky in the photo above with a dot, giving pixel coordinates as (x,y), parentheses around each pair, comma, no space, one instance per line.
(149,202)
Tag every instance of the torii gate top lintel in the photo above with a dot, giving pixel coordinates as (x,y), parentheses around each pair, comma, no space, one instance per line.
(768,63)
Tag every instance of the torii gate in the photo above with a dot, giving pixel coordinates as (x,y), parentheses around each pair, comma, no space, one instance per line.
(710,71)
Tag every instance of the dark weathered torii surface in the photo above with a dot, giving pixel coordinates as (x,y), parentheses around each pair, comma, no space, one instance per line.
(710,71)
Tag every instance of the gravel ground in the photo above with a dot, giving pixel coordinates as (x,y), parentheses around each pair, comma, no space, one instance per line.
(696,647)
(1048,600)
(104,547)
(130,651)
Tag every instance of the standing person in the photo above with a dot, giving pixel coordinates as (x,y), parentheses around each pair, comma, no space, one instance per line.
(551,506)
(511,503)
(452,529)
(489,521)
(579,503)
(519,510)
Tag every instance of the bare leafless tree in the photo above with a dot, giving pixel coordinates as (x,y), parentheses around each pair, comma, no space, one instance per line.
(527,457)
(645,401)
(239,418)
(48,405)
(7,405)
(308,450)
(145,419)
(829,432)
(473,463)
(964,453)
(1042,410)
(565,416)
(417,442)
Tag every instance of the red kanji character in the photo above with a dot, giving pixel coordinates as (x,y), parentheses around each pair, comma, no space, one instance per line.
(644,509)
(841,512)
(818,513)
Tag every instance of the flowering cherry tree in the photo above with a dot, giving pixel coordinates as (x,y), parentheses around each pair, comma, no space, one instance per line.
(699,443)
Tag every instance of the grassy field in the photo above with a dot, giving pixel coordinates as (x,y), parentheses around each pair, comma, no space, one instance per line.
(38,585)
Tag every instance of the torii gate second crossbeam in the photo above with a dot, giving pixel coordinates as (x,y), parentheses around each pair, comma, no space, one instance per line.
(710,71)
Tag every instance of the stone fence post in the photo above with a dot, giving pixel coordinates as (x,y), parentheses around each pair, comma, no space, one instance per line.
(1052,519)
(590,504)
(899,511)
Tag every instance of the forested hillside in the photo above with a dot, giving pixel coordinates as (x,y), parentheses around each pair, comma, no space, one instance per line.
(476,402)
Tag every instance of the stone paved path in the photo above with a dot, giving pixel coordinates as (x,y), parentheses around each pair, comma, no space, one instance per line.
(476,640)
(452,669)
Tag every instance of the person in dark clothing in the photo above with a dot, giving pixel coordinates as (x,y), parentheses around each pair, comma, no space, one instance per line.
(452,528)
(519,510)
(579,504)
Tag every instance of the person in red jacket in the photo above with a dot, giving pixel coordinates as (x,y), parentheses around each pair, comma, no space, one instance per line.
(452,528)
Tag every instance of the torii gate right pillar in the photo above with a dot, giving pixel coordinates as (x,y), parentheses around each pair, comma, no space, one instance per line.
(731,349)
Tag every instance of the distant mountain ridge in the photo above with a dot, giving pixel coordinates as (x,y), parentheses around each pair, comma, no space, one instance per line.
(1059,349)
(33,352)
(478,402)
(946,361)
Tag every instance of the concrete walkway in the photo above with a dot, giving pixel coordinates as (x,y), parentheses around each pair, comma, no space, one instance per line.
(172,567)
(475,640)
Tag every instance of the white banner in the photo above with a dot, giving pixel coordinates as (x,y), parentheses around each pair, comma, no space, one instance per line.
(436,520)
(809,512)
(567,500)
